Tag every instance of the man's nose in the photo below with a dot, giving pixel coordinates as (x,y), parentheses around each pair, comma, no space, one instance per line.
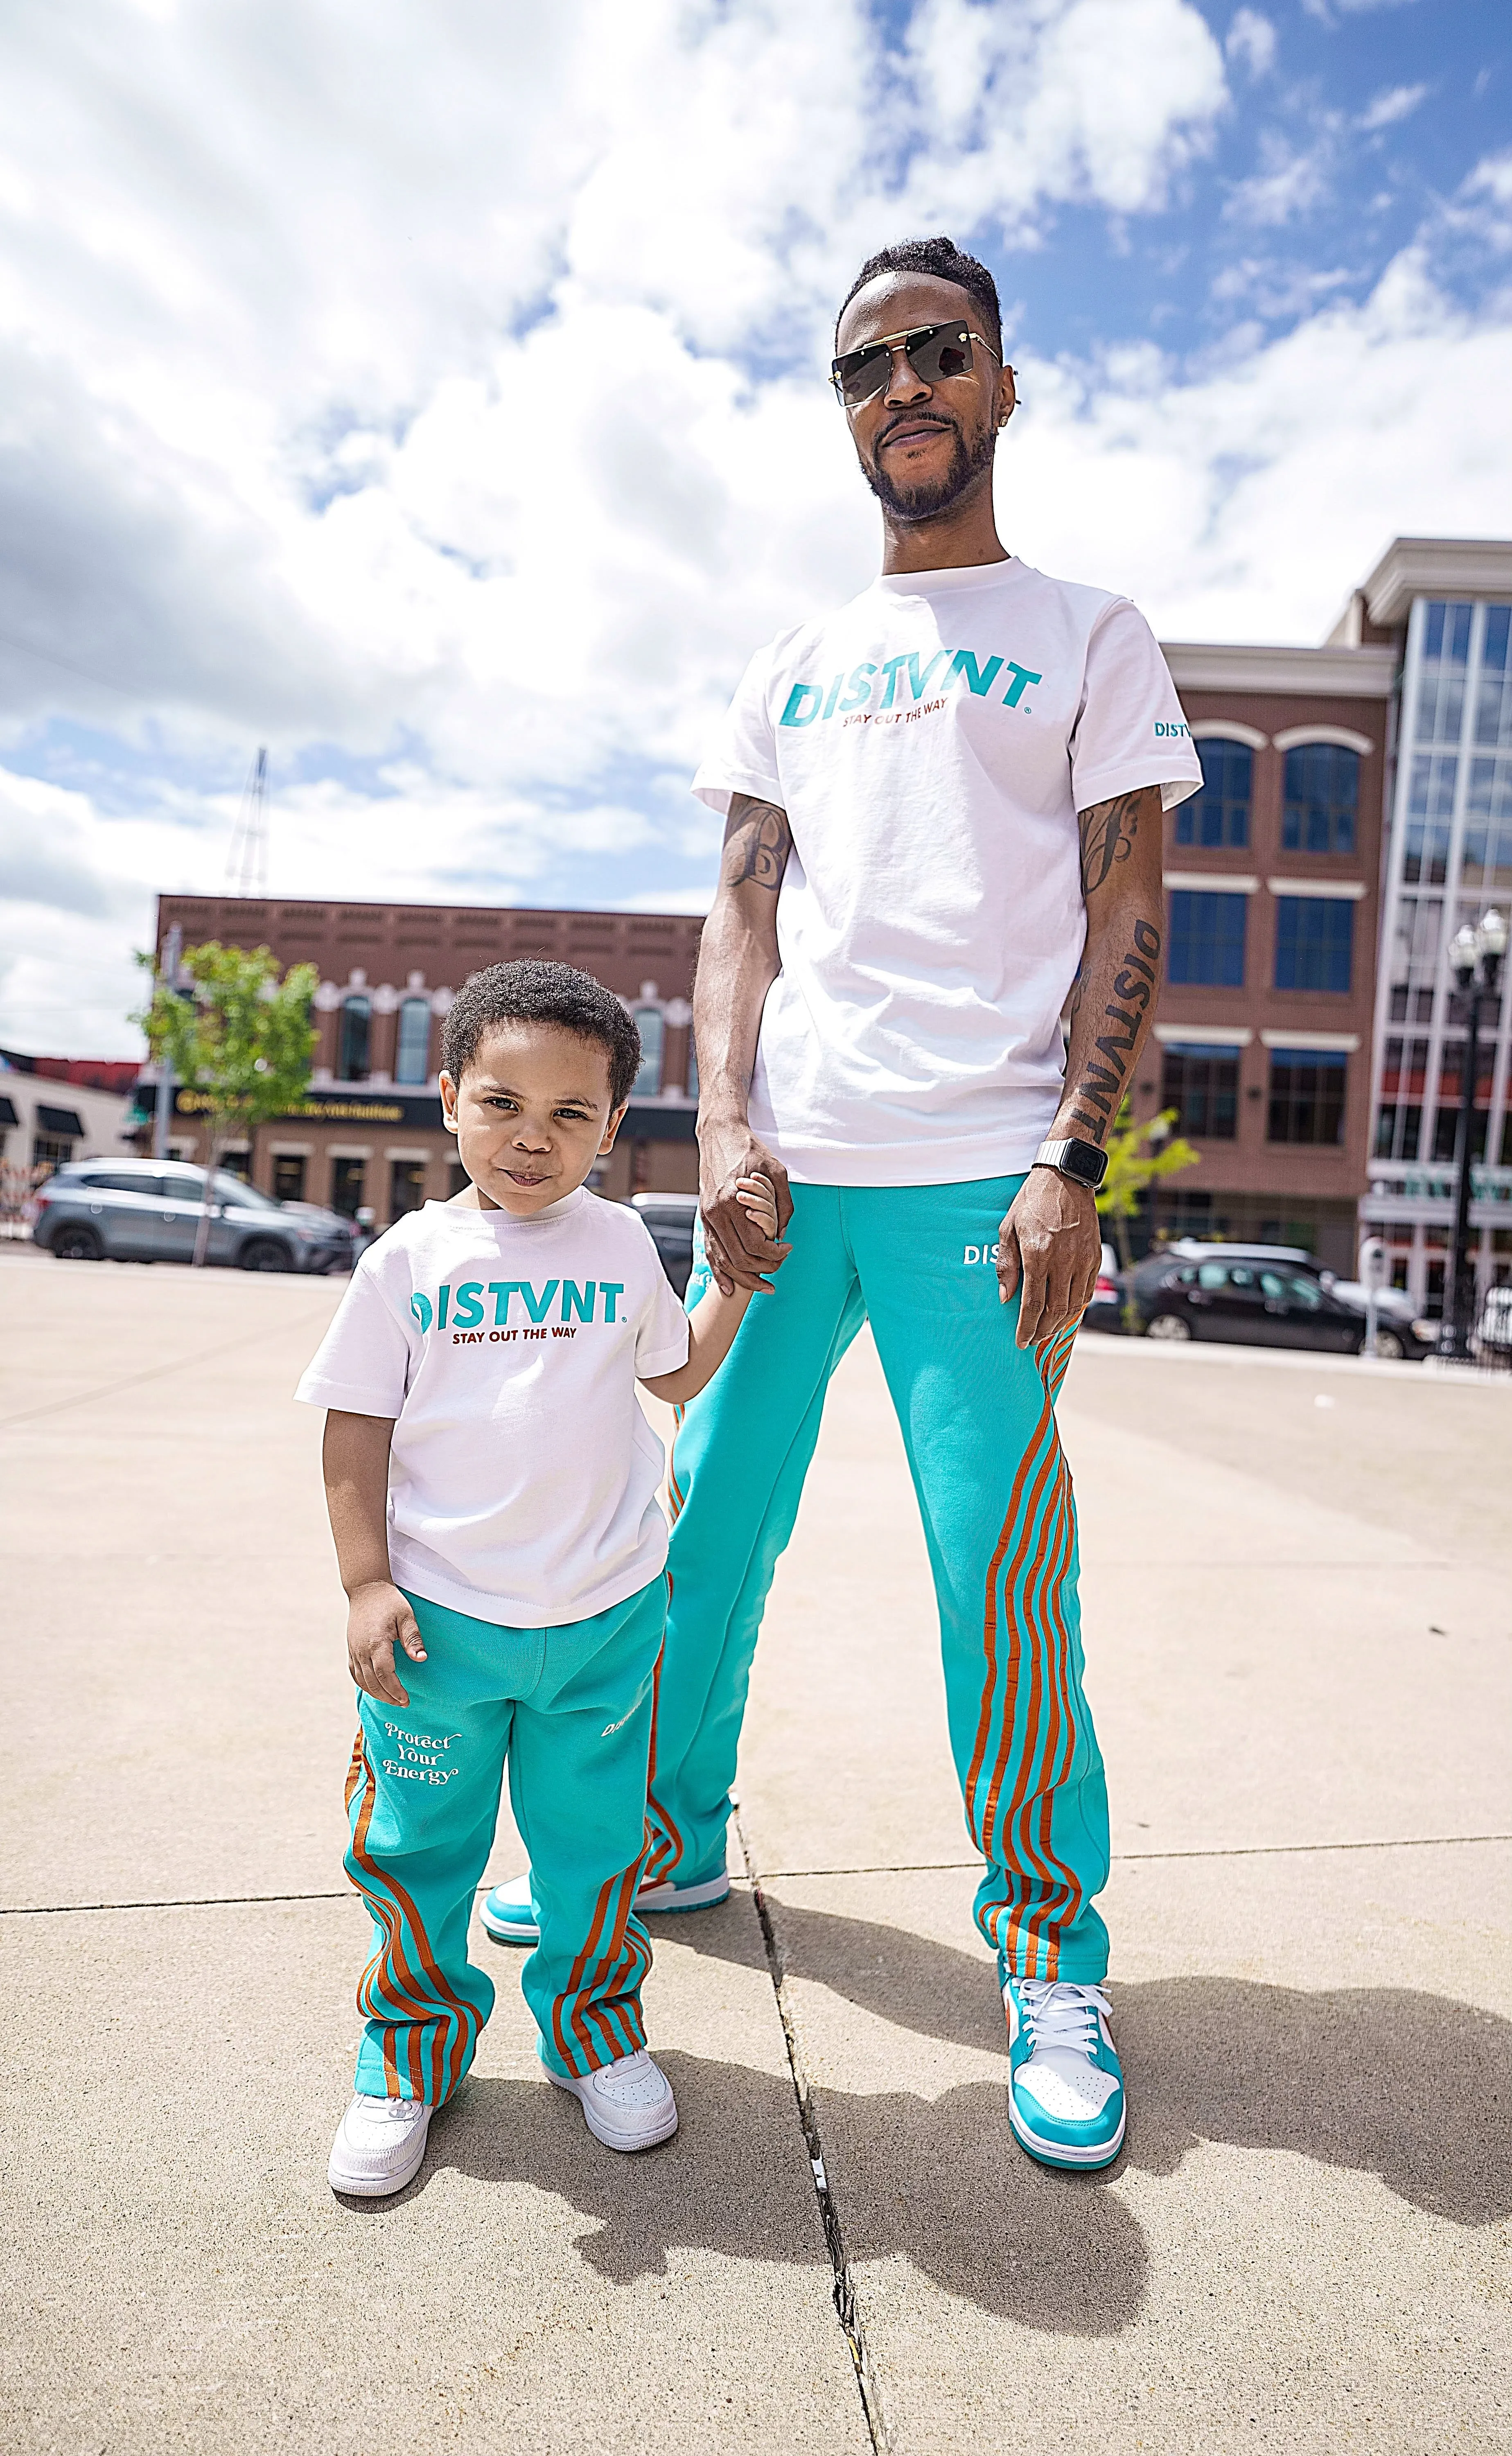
(905,384)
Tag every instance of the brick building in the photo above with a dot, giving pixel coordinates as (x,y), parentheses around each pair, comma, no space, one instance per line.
(370,1133)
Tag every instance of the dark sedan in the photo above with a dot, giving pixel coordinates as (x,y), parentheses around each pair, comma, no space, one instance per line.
(1251,1304)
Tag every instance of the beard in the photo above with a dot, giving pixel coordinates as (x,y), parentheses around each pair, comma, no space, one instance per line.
(925,500)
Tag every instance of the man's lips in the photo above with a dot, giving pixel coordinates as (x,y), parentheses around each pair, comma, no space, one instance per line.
(913,430)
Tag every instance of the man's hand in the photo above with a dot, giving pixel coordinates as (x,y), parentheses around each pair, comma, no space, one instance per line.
(378,1620)
(1051,1244)
(741,1254)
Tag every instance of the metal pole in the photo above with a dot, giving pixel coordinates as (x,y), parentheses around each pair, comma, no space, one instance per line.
(1463,1303)
(163,1111)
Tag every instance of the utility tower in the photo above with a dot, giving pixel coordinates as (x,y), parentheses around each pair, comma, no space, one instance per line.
(247,861)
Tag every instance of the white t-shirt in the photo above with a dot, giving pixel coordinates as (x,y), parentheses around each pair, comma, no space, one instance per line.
(523,1477)
(931,743)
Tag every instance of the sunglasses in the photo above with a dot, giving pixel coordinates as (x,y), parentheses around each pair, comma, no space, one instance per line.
(935,352)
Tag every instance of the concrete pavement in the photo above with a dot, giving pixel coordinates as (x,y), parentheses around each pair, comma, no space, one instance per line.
(1296,1593)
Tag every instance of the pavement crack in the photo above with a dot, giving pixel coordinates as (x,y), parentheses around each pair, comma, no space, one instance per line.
(846,2309)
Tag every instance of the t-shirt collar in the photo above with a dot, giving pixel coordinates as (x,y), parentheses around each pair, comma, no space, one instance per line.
(548,1218)
(941,584)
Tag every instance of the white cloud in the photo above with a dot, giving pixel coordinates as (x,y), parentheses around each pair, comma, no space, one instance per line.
(1291,181)
(1251,39)
(1396,103)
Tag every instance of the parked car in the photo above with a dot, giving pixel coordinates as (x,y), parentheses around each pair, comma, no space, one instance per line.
(1398,1333)
(1491,1342)
(1251,1304)
(670,1217)
(149,1210)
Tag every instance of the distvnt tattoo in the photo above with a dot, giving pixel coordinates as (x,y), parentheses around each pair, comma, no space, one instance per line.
(757,843)
(1105,1076)
(1108,830)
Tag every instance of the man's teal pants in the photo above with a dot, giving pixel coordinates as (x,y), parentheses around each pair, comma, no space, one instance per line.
(978,1423)
(571,1709)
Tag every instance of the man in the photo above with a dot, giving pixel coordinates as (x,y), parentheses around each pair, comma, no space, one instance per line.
(943,831)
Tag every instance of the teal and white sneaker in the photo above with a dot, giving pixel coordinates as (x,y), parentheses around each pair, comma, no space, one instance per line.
(509,1914)
(1065,2094)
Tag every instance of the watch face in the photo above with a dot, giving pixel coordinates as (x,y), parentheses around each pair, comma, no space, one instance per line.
(1086,1162)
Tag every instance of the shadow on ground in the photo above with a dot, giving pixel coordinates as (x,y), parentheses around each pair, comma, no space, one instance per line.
(1407,2086)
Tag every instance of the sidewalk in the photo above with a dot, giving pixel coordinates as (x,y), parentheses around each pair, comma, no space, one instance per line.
(1296,1603)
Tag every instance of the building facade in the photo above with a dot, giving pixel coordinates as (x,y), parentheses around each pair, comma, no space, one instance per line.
(56,1109)
(369,1136)
(1261,1043)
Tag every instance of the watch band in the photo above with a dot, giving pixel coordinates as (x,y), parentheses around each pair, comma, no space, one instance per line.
(1084,1163)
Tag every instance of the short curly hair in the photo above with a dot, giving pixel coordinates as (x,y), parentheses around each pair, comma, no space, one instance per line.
(528,992)
(947,262)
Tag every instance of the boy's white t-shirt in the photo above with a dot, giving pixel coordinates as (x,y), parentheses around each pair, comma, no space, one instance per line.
(524,1476)
(931,743)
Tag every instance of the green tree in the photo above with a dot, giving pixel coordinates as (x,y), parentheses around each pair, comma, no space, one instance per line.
(236,1034)
(1136,1155)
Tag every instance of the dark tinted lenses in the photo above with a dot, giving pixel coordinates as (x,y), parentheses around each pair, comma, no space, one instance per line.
(935,352)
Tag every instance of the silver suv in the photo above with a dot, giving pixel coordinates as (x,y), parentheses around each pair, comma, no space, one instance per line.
(147,1211)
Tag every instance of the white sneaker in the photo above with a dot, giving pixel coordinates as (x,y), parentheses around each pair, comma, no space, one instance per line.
(628,2104)
(379,2146)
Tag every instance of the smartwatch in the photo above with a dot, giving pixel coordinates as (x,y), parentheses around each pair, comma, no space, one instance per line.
(1084,1163)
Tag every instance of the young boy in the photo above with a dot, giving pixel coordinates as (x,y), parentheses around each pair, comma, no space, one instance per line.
(492,1489)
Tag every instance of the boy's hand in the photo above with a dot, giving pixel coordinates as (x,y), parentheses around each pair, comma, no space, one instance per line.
(378,1620)
(757,1197)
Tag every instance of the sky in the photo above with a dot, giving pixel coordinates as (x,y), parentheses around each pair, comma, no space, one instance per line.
(435,392)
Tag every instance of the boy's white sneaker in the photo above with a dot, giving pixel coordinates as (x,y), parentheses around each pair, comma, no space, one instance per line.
(379,2147)
(628,2104)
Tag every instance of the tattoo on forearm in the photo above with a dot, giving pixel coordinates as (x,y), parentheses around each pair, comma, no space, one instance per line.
(757,843)
(1108,830)
(1104,1081)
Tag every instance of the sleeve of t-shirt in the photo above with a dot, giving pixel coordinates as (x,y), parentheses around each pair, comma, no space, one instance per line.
(363,1363)
(660,1336)
(1130,730)
(743,756)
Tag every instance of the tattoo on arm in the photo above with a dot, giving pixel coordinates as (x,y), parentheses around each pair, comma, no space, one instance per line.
(757,843)
(1105,1070)
(1108,830)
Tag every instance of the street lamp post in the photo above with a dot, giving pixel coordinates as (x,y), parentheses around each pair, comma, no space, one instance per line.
(1475,958)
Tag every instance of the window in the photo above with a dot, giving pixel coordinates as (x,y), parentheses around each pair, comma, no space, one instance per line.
(653,1032)
(51,1151)
(1493,716)
(288,1177)
(1430,811)
(347,1178)
(236,1163)
(1399,1120)
(1207,939)
(1441,678)
(412,1062)
(406,1187)
(1219,814)
(1307,1096)
(1314,943)
(356,1027)
(1322,798)
(1489,825)
(105,1180)
(1201,1083)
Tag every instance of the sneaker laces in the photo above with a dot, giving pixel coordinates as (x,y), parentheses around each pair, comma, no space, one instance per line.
(631,2080)
(1057,2012)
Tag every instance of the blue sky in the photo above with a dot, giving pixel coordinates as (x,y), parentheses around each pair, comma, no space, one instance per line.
(457,428)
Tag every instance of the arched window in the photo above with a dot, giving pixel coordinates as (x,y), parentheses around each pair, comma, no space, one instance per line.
(653,1032)
(412,1062)
(1322,798)
(356,1031)
(1219,814)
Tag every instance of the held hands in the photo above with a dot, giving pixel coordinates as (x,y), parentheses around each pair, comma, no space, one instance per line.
(380,1621)
(746,1204)
(1051,1244)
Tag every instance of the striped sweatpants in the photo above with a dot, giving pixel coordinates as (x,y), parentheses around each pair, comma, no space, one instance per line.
(978,1423)
(570,1711)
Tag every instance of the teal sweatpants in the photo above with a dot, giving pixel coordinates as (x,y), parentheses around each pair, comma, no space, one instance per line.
(570,1710)
(978,1423)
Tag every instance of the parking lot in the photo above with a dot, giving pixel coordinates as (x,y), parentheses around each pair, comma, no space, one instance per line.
(1296,1587)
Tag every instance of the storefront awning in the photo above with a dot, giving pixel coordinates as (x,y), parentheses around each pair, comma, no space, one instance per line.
(59,1122)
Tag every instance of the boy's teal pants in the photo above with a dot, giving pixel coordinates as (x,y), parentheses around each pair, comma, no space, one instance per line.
(977,1415)
(571,1710)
